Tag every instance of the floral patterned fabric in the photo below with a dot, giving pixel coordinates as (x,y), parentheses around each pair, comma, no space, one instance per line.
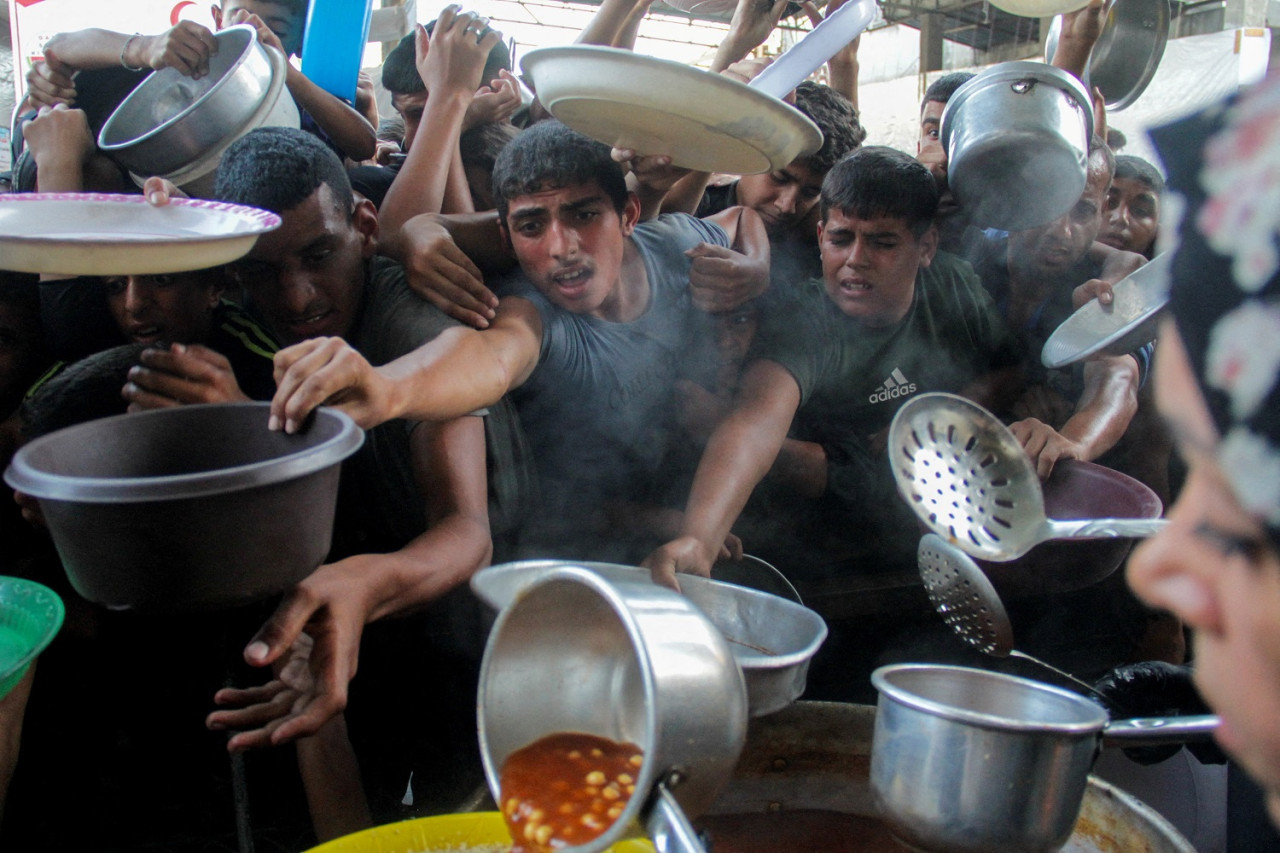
(1222,221)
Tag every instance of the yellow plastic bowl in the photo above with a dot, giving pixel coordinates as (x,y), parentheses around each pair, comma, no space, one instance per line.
(482,832)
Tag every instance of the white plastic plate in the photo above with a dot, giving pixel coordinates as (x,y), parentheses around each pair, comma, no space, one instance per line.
(101,234)
(703,121)
(1126,324)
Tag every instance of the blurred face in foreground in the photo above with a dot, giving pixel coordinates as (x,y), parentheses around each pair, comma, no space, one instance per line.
(1215,567)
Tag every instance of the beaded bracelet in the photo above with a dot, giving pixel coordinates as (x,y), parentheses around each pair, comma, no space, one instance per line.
(125,63)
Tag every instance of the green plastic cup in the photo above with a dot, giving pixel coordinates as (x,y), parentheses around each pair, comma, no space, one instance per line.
(30,616)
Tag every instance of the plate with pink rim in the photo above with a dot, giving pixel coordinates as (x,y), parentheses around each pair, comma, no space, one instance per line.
(106,234)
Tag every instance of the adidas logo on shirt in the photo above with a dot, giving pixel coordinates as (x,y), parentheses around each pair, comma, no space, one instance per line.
(894,387)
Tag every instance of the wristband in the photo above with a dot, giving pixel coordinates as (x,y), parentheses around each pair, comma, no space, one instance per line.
(124,63)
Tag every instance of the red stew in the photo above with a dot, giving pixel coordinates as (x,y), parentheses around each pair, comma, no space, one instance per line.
(566,789)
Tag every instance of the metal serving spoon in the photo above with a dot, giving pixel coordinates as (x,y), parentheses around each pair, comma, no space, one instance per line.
(970,605)
(964,597)
(970,481)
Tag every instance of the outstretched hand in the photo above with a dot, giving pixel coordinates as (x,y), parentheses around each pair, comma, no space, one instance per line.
(721,279)
(327,371)
(312,644)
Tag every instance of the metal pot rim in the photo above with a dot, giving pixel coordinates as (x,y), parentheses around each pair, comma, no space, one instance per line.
(883,680)
(1008,72)
(141,91)
(24,477)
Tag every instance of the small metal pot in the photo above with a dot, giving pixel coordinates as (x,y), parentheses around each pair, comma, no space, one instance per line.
(170,120)
(1017,141)
(971,761)
(632,662)
(189,507)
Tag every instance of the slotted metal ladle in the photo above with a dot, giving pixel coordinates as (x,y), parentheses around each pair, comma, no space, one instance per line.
(970,481)
(964,597)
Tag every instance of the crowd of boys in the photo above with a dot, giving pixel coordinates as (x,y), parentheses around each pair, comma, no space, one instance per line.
(557,350)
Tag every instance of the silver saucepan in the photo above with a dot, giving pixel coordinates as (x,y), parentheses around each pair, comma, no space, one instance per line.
(970,761)
(631,662)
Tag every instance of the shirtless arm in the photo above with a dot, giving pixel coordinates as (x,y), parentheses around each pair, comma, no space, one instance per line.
(461,370)
(739,454)
(1102,415)
(335,602)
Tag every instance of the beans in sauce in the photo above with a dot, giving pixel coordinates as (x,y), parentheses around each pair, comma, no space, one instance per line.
(566,789)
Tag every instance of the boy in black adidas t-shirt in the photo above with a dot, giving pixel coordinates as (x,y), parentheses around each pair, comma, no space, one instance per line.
(890,318)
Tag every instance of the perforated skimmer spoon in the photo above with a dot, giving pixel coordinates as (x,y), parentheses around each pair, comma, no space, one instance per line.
(964,597)
(970,481)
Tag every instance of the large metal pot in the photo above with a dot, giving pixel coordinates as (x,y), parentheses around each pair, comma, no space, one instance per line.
(803,783)
(188,507)
(1127,53)
(170,120)
(1017,142)
(632,662)
(971,761)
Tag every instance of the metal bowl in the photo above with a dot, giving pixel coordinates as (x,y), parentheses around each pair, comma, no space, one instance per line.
(170,120)
(1127,53)
(1076,490)
(1129,322)
(772,639)
(189,507)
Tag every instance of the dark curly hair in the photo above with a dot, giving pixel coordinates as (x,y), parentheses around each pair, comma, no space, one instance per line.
(882,181)
(836,117)
(278,168)
(549,155)
(400,69)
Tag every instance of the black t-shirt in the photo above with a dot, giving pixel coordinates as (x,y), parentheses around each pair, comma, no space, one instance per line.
(372,182)
(853,379)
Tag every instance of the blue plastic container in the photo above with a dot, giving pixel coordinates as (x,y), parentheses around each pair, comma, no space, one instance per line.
(333,44)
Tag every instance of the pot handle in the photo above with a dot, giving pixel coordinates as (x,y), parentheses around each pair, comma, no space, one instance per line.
(667,825)
(1151,731)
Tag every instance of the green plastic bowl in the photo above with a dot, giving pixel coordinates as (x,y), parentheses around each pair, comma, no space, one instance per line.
(30,616)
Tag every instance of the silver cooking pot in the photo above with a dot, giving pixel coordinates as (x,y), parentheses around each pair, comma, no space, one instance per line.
(632,662)
(971,761)
(1017,142)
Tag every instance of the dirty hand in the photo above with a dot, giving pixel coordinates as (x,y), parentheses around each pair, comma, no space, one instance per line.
(183,374)
(59,134)
(653,173)
(51,81)
(1094,288)
(495,102)
(327,372)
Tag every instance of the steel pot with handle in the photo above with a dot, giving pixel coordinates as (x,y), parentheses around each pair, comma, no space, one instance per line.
(1017,142)
(627,661)
(970,761)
